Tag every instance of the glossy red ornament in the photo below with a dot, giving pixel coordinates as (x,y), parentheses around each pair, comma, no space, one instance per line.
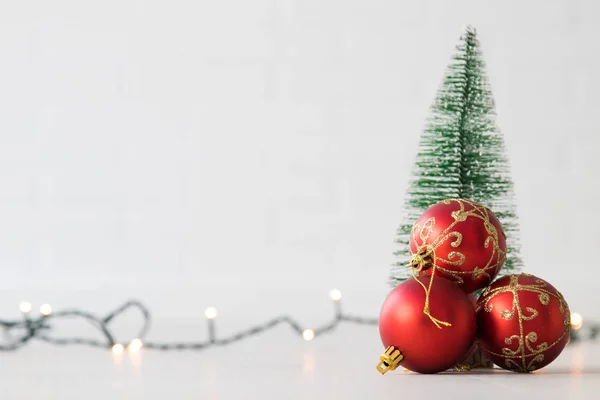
(425,346)
(462,241)
(524,323)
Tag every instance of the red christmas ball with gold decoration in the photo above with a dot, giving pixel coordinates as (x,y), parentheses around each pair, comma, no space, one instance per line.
(427,325)
(524,323)
(460,240)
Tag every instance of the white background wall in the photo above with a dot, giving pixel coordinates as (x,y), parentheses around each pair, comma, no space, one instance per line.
(254,154)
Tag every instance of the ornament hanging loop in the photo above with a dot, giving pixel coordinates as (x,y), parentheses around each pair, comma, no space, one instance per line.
(423,259)
(389,360)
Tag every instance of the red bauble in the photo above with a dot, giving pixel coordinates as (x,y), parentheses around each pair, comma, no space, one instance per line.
(428,347)
(462,241)
(524,323)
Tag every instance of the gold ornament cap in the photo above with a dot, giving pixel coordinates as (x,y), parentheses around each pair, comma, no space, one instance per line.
(389,360)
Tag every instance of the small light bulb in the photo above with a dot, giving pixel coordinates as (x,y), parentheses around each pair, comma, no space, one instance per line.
(135,345)
(117,348)
(576,321)
(335,294)
(308,334)
(45,310)
(25,307)
(210,313)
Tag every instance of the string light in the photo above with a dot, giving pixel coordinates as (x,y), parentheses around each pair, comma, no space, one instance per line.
(578,333)
(25,330)
(210,313)
(135,345)
(117,348)
(25,307)
(308,334)
(45,310)
(335,295)
(576,321)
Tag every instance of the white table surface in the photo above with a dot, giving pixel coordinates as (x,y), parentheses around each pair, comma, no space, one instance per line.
(278,365)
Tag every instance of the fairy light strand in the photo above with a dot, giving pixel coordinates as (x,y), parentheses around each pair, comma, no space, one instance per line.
(19,333)
(30,328)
